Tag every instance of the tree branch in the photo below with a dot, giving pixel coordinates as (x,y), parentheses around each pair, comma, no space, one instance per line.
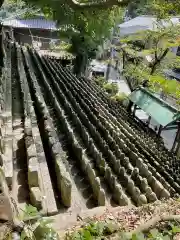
(153,222)
(158,61)
(102,4)
(164,54)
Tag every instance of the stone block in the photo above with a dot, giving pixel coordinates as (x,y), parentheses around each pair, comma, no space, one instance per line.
(102,171)
(102,161)
(66,189)
(116,148)
(33,172)
(118,166)
(164,194)
(142,200)
(121,172)
(106,149)
(91,174)
(123,201)
(129,169)
(8,166)
(144,184)
(52,141)
(36,197)
(125,180)
(152,197)
(101,198)
(122,156)
(84,161)
(78,151)
(113,181)
(2,132)
(56,148)
(95,154)
(112,158)
(118,153)
(139,162)
(6,211)
(130,187)
(96,186)
(144,171)
(86,137)
(2,145)
(135,194)
(156,186)
(118,195)
(31,151)
(108,175)
(64,183)
(137,180)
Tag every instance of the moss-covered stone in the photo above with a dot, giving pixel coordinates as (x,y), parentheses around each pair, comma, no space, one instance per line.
(33,172)
(101,198)
(66,190)
(108,175)
(91,174)
(141,200)
(64,182)
(36,197)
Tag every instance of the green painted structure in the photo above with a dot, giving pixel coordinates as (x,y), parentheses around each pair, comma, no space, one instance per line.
(155,107)
(165,115)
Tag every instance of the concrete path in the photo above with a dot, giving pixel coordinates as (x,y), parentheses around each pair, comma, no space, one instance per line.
(114,76)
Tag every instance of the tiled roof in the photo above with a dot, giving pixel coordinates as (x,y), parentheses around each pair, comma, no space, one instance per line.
(141,23)
(31,23)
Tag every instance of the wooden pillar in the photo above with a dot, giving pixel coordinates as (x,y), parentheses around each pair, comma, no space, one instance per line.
(129,106)
(159,131)
(177,150)
(123,61)
(176,139)
(108,71)
(134,111)
(12,34)
(148,121)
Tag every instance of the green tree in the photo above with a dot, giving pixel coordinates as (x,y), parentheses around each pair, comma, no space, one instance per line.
(155,46)
(12,9)
(85,27)
(159,8)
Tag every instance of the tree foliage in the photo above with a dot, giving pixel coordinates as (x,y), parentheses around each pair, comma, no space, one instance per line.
(159,8)
(12,9)
(149,60)
(85,30)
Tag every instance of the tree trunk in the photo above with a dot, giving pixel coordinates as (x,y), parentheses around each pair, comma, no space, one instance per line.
(123,61)
(158,61)
(108,71)
(1,50)
(129,107)
(1,3)
(80,64)
(153,69)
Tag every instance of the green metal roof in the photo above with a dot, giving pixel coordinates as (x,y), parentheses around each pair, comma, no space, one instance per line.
(155,107)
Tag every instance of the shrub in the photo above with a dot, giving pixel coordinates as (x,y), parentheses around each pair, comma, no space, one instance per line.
(120,97)
(111,88)
(94,230)
(100,81)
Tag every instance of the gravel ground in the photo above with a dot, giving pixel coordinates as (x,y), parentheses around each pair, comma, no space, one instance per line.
(129,218)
